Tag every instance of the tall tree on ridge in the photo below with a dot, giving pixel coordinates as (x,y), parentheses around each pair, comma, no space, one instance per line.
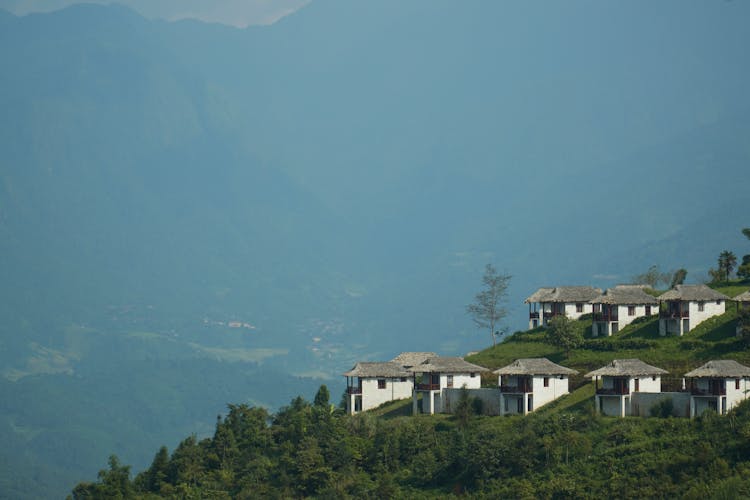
(487,310)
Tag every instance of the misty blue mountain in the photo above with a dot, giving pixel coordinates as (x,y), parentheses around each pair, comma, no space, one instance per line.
(193,214)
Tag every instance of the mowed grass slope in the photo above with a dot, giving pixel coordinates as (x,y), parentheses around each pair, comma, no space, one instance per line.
(713,339)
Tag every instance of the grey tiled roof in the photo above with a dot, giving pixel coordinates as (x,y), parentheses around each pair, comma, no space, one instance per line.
(566,294)
(625,295)
(534,366)
(720,368)
(626,367)
(743,297)
(377,369)
(447,365)
(539,295)
(692,292)
(408,359)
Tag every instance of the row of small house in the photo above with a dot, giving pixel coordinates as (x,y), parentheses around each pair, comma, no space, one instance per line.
(680,309)
(624,387)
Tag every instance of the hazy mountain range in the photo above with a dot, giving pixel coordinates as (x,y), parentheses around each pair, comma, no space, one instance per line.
(331,185)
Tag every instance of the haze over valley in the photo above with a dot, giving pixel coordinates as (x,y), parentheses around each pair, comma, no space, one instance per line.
(189,209)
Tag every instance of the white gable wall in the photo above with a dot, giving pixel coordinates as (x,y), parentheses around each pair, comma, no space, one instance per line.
(556,387)
(372,397)
(461,379)
(710,309)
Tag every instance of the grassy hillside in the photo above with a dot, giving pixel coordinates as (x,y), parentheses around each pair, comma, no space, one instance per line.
(712,339)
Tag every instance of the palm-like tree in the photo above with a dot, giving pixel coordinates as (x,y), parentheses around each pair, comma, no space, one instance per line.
(727,261)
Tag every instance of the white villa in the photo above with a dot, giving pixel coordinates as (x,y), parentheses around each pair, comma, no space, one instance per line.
(686,306)
(620,379)
(718,385)
(571,301)
(370,384)
(527,384)
(438,373)
(619,306)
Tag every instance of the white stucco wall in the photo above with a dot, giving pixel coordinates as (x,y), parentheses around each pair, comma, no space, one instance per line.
(607,328)
(646,384)
(372,397)
(710,309)
(556,387)
(460,380)
(570,310)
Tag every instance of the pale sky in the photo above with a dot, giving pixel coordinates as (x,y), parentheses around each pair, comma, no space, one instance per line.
(239,13)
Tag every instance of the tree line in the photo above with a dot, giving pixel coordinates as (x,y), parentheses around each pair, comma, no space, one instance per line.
(313,450)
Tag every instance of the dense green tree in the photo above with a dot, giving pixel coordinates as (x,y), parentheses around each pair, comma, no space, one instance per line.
(562,333)
(322,397)
(743,271)
(727,260)
(487,310)
(678,277)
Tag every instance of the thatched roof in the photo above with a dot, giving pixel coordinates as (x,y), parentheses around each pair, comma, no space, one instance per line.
(447,365)
(377,369)
(625,295)
(565,294)
(534,366)
(725,368)
(539,295)
(692,292)
(408,359)
(743,297)
(626,368)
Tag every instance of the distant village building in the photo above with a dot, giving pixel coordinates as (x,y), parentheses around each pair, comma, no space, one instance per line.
(619,306)
(620,379)
(718,386)
(438,373)
(527,384)
(686,306)
(370,384)
(570,301)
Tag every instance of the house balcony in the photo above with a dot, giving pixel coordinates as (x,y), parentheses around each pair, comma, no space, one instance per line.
(428,387)
(604,317)
(354,390)
(714,391)
(515,389)
(620,391)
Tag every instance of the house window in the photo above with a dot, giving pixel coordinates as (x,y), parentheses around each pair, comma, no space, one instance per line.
(449,380)
(653,377)
(381,383)
(579,308)
(473,375)
(700,306)
(546,381)
(648,310)
(718,302)
(403,379)
(631,310)
(637,385)
(737,384)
